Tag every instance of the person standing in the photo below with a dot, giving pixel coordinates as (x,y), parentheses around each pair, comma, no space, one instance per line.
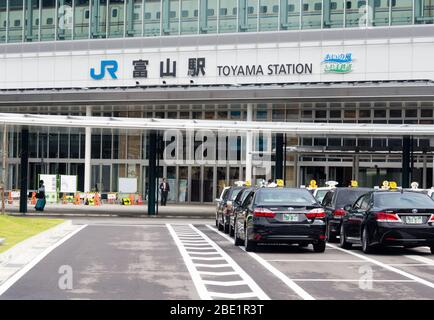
(165,189)
(40,203)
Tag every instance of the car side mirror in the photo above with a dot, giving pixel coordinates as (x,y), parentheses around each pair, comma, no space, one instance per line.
(218,200)
(348,207)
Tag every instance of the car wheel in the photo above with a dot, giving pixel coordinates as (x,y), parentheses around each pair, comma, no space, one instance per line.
(331,237)
(366,248)
(320,246)
(249,244)
(343,240)
(237,240)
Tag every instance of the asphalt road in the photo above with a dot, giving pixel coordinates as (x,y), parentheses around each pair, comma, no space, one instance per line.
(173,259)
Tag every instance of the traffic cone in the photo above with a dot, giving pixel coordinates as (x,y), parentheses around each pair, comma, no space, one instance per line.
(10,200)
(132,199)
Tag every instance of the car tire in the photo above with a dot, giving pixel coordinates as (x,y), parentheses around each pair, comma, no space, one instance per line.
(319,247)
(366,247)
(237,240)
(331,237)
(249,244)
(343,239)
(217,223)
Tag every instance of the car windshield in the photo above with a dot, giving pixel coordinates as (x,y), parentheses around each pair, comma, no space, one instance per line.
(278,196)
(398,200)
(320,194)
(349,196)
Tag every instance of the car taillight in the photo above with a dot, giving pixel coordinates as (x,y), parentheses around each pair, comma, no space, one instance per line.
(262,212)
(387,217)
(315,213)
(431,219)
(339,212)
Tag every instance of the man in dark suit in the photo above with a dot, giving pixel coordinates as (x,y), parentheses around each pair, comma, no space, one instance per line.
(165,189)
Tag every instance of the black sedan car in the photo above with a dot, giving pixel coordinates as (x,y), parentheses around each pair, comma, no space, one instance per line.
(389,218)
(236,207)
(280,215)
(334,202)
(225,207)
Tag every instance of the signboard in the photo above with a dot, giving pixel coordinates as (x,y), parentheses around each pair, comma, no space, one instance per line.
(127,185)
(50,182)
(68,183)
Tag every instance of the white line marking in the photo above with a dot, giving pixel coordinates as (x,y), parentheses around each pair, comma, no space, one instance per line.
(207,258)
(203,253)
(200,286)
(225,283)
(290,283)
(192,267)
(205,244)
(222,265)
(388,267)
(427,261)
(410,265)
(211,273)
(233,295)
(197,248)
(250,282)
(328,261)
(348,280)
(17,276)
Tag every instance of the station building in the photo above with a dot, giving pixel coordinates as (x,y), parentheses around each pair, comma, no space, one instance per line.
(316,61)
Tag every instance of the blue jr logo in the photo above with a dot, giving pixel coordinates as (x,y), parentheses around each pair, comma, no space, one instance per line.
(110,65)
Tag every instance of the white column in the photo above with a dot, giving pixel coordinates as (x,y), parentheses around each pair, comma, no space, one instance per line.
(87,152)
(249,145)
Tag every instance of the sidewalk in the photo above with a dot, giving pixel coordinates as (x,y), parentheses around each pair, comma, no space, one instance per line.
(170,211)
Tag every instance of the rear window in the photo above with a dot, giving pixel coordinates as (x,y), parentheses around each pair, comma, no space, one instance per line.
(345,197)
(320,194)
(233,194)
(279,196)
(406,200)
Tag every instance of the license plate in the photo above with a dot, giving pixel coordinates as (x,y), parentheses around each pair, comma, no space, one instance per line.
(414,219)
(290,217)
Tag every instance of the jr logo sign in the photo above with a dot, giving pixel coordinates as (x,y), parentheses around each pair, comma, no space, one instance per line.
(110,65)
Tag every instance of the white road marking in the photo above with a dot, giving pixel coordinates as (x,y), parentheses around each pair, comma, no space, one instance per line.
(225,283)
(409,265)
(424,260)
(285,279)
(253,290)
(388,267)
(207,258)
(17,276)
(328,261)
(348,280)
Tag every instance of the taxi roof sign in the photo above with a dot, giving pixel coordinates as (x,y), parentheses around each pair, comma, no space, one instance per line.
(393,185)
(331,184)
(354,184)
(280,182)
(414,185)
(312,184)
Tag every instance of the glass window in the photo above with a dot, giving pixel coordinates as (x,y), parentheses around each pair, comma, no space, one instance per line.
(15,21)
(152,18)
(74,145)
(96,146)
(248,15)
(208,16)
(98,18)
(116,18)
(379,12)
(31,31)
(423,12)
(311,14)
(63,146)
(170,17)
(402,12)
(290,14)
(355,13)
(54,145)
(228,16)
(134,13)
(106,146)
(333,14)
(64,19)
(189,16)
(268,18)
(3,17)
(81,19)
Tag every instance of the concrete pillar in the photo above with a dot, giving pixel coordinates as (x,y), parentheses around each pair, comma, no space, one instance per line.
(356,168)
(87,152)
(152,172)
(249,141)
(24,169)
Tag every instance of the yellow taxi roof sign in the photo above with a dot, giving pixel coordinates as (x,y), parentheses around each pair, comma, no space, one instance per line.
(393,185)
(280,182)
(354,184)
(312,184)
(248,184)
